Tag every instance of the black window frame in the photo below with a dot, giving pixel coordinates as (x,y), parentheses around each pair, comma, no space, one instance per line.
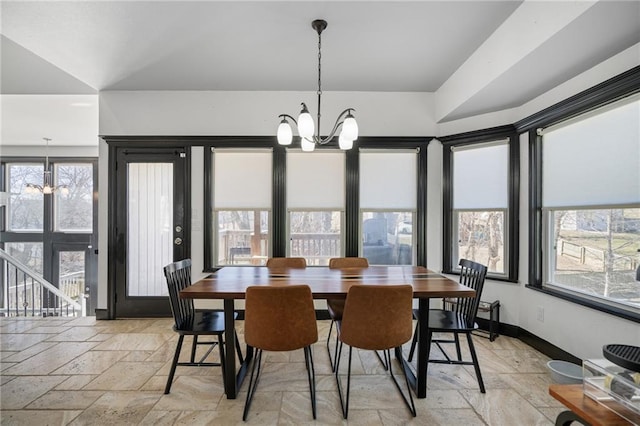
(351,225)
(616,88)
(511,243)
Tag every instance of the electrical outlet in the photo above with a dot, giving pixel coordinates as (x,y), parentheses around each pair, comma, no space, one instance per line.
(541,313)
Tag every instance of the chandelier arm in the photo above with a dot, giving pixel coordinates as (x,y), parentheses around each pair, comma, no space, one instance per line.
(289,117)
(336,126)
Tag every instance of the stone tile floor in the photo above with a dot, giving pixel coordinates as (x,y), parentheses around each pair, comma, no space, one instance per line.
(57,371)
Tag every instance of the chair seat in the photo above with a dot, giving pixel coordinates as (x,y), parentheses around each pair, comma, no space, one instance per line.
(335,308)
(204,322)
(441,320)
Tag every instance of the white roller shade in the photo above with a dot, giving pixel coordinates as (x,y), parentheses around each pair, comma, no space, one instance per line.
(593,161)
(242,179)
(315,180)
(388,180)
(480,176)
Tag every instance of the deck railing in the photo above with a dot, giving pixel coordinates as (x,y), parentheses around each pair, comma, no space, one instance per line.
(27,293)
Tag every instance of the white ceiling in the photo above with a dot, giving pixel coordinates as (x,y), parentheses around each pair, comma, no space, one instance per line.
(476,56)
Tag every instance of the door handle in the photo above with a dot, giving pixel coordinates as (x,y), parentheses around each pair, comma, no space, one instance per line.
(177,241)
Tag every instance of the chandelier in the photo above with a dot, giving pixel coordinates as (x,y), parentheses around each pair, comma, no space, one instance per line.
(305,124)
(47,186)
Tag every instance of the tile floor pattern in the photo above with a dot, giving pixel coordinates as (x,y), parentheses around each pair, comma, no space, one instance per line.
(85,372)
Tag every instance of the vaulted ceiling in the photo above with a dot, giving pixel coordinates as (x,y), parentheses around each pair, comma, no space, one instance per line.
(476,56)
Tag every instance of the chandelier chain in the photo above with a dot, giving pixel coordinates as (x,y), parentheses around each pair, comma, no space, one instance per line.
(319,64)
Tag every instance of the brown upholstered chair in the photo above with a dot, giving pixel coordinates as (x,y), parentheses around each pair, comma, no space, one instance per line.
(460,319)
(378,318)
(287,262)
(336,306)
(280,319)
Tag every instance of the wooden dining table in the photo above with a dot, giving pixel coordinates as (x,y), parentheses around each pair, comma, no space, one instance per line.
(230,284)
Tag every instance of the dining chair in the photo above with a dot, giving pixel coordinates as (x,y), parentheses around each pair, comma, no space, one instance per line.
(287,262)
(191,322)
(378,318)
(460,319)
(280,319)
(335,307)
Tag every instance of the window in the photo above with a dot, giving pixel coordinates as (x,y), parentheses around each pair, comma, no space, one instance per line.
(315,204)
(591,205)
(387,206)
(242,202)
(74,210)
(481,201)
(480,176)
(25,212)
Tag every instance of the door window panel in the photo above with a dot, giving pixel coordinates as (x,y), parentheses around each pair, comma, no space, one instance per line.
(150,227)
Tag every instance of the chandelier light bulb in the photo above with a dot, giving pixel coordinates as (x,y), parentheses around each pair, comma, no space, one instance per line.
(307,145)
(350,128)
(285,134)
(306,126)
(344,142)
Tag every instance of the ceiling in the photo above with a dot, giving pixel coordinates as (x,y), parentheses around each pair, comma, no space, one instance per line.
(476,56)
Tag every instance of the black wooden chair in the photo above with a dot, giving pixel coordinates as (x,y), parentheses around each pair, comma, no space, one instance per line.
(460,319)
(192,322)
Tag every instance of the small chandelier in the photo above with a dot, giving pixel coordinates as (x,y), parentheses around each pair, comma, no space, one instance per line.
(305,124)
(47,186)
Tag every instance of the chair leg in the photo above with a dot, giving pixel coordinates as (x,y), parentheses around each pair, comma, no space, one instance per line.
(414,342)
(410,404)
(458,351)
(174,364)
(253,382)
(239,350)
(221,351)
(344,404)
(311,375)
(476,365)
(194,345)
(331,361)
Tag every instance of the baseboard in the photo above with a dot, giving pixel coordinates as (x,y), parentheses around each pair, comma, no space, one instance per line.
(102,314)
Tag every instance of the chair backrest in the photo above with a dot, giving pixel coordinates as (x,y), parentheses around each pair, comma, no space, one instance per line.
(287,262)
(280,318)
(348,262)
(377,317)
(178,276)
(472,275)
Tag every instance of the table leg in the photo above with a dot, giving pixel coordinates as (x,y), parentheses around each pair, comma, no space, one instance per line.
(230,387)
(419,381)
(232,381)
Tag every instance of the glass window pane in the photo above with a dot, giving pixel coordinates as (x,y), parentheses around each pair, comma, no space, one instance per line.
(480,238)
(71,276)
(29,254)
(315,235)
(25,208)
(387,238)
(74,210)
(243,237)
(595,252)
